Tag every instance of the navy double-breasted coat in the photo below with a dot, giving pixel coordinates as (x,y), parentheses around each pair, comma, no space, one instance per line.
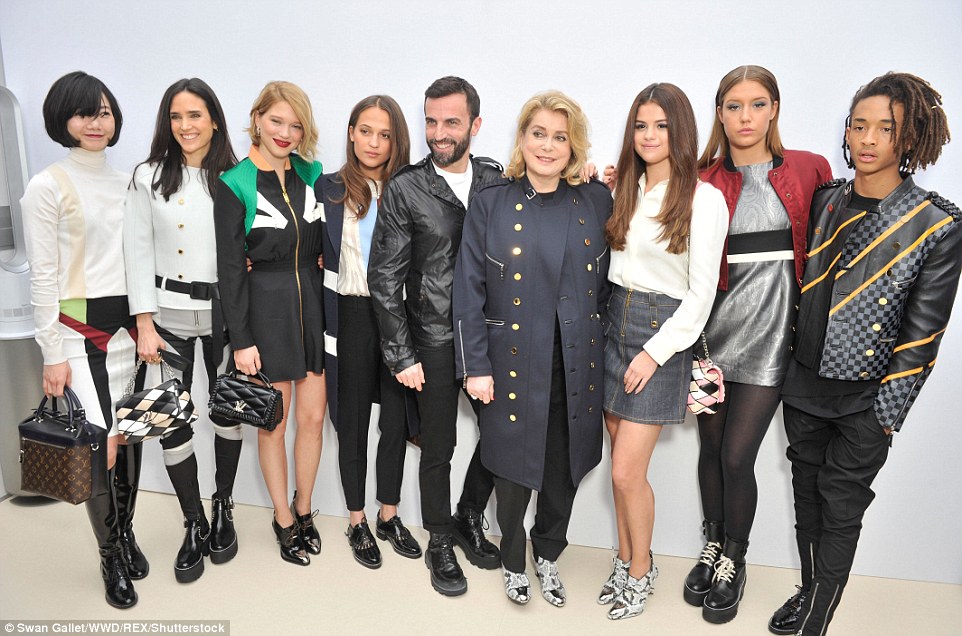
(528,263)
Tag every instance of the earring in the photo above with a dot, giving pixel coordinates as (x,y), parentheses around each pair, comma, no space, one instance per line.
(257,131)
(904,165)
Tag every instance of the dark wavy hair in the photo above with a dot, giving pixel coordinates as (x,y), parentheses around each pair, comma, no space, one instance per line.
(165,153)
(675,214)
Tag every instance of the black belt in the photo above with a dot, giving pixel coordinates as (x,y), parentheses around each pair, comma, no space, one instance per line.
(196,289)
(751,242)
(199,290)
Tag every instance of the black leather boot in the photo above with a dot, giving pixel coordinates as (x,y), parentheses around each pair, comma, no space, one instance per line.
(190,558)
(223,538)
(469,533)
(728,584)
(785,620)
(189,564)
(698,581)
(102,511)
(446,575)
(126,481)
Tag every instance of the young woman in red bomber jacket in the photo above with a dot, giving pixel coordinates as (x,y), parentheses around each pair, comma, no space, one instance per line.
(769,191)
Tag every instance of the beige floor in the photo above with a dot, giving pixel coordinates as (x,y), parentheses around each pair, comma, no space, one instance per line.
(49,571)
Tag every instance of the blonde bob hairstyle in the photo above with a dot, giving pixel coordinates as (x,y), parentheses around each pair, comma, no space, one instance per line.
(277,92)
(577,133)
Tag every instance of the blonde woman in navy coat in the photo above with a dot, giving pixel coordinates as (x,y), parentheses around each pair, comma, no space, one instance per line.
(529,290)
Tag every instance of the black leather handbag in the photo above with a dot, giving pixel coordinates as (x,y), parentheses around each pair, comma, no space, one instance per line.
(150,413)
(62,455)
(237,400)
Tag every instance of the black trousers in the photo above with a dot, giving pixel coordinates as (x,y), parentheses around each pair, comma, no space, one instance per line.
(438,409)
(834,462)
(362,379)
(557,495)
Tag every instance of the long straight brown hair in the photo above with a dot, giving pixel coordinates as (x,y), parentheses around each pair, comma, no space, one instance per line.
(675,214)
(718,145)
(356,188)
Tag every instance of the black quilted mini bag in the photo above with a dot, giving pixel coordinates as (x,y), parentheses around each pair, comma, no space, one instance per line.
(238,400)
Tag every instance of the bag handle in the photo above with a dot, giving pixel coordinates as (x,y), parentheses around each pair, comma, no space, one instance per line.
(168,361)
(233,372)
(74,410)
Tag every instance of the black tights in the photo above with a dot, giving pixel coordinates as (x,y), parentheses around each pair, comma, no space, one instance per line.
(729,445)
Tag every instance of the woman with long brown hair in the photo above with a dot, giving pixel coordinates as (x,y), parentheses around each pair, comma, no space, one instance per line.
(377,145)
(666,234)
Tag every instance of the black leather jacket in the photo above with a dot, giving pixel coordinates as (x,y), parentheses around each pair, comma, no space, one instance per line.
(890,304)
(413,252)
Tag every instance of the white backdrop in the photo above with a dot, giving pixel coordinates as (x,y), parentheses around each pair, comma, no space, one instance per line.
(340,52)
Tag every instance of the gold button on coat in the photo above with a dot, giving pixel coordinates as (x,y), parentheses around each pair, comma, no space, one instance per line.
(589,267)
(519,207)
(516,326)
(180,226)
(883,301)
(870,352)
(514,351)
(516,251)
(517,276)
(587,241)
(513,417)
(517,301)
(876,327)
(513,373)
(517,227)
(512,396)
(581,221)
(180,251)
(180,201)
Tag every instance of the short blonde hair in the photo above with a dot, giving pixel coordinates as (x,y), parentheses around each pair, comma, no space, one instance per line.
(558,102)
(276,92)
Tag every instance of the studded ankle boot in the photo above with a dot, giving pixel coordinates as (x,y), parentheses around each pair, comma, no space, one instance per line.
(728,584)
(698,581)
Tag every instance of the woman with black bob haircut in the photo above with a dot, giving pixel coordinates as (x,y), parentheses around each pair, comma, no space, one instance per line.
(377,146)
(172,289)
(73,214)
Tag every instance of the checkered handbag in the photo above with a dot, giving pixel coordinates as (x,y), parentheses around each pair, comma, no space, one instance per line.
(707,386)
(62,455)
(150,413)
(238,400)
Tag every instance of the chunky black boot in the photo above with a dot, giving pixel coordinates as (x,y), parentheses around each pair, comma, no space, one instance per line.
(190,558)
(126,481)
(223,538)
(102,511)
(728,584)
(189,564)
(469,533)
(785,620)
(446,575)
(698,581)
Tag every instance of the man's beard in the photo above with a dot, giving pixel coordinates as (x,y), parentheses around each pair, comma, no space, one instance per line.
(452,155)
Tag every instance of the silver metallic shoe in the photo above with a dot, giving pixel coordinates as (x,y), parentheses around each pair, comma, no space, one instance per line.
(516,586)
(616,582)
(552,589)
(631,601)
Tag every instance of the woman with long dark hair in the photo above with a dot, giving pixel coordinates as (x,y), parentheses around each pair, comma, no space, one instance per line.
(666,234)
(377,145)
(768,190)
(266,213)
(172,289)
(73,213)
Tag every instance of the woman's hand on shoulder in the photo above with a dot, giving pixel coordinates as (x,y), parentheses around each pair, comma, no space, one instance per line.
(55,378)
(481,388)
(248,361)
(610,176)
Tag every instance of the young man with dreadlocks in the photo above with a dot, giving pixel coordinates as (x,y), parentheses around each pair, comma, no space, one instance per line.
(879,285)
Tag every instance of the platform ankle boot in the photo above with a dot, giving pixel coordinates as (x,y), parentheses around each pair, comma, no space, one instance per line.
(223,539)
(102,510)
(728,584)
(698,581)
(126,482)
(189,564)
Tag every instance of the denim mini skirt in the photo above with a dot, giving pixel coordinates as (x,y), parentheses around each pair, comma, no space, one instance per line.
(634,317)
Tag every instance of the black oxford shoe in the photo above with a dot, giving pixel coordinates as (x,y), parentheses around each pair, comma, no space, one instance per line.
(400,537)
(785,618)
(363,545)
